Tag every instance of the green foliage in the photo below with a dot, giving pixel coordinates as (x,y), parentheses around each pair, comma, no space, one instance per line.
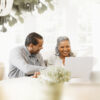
(21,19)
(12,21)
(4,29)
(48,1)
(51,6)
(42,8)
(22,6)
(1,20)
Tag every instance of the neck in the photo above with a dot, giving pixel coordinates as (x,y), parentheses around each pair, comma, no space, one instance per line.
(62,57)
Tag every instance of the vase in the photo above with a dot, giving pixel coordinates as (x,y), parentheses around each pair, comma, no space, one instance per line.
(51,91)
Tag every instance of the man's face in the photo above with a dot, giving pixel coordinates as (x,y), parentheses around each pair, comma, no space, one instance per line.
(34,49)
(64,48)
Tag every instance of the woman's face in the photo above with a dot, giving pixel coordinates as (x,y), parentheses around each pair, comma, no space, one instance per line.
(64,48)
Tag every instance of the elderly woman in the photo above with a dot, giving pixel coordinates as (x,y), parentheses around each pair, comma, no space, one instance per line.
(63,50)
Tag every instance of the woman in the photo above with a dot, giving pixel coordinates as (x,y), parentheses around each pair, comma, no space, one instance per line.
(63,50)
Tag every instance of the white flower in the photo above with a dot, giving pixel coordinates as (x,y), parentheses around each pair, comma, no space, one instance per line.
(54,75)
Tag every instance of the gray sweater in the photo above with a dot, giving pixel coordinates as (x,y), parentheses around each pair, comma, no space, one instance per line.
(22,63)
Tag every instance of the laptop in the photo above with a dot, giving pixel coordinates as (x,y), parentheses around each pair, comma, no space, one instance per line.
(80,67)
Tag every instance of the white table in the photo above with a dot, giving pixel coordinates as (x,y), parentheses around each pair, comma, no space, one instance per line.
(29,89)
(81,91)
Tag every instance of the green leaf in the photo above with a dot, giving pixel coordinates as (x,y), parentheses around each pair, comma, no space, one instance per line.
(48,1)
(21,19)
(17,2)
(17,13)
(51,6)
(1,20)
(42,9)
(12,22)
(35,2)
(7,18)
(4,29)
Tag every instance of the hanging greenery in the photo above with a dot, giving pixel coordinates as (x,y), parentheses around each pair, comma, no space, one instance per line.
(20,7)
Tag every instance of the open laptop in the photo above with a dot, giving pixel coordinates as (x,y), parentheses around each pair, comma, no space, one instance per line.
(80,67)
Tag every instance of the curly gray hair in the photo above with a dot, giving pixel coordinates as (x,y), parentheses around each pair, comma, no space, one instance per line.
(60,39)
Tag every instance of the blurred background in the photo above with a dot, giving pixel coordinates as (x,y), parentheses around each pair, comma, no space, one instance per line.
(77,19)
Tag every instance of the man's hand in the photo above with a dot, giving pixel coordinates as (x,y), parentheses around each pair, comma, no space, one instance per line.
(36,74)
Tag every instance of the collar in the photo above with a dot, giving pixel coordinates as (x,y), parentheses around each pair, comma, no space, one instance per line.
(28,53)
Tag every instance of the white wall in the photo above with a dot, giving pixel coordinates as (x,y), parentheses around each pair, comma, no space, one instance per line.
(72,18)
(96,32)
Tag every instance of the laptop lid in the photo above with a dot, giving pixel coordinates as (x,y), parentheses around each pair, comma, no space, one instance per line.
(80,67)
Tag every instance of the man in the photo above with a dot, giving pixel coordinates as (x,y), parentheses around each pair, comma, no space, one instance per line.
(26,60)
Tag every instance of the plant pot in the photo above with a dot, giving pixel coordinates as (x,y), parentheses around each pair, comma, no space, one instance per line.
(51,91)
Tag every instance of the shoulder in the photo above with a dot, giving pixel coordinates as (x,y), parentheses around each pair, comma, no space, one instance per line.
(52,58)
(39,56)
(17,49)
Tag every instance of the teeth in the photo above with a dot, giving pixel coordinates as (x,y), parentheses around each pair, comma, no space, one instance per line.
(65,52)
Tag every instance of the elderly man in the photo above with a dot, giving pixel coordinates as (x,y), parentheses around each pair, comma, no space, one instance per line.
(26,60)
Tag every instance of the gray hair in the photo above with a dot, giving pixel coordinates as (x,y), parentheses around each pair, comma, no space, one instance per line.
(60,39)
